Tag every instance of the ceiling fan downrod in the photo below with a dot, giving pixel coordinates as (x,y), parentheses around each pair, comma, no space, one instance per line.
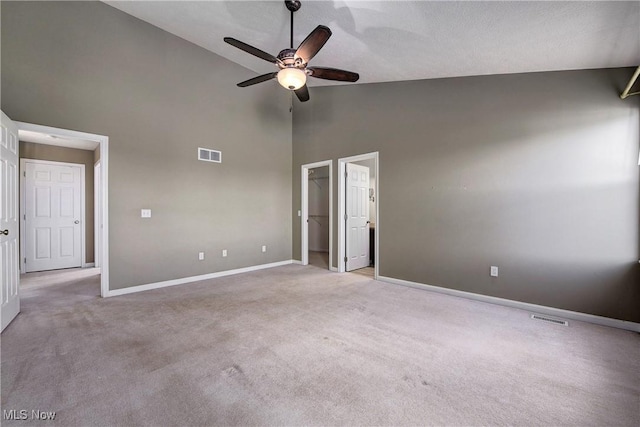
(293,6)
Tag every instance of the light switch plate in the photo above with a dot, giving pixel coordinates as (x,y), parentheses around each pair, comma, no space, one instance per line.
(145,213)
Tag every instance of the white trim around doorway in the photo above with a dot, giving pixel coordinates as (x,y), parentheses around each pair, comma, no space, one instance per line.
(103,142)
(342,169)
(97,209)
(304,217)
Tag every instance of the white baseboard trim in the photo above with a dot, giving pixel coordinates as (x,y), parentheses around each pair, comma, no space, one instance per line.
(333,268)
(295,261)
(164,284)
(541,309)
(89,265)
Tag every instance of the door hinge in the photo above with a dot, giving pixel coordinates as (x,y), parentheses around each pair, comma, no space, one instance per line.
(25,260)
(24,173)
(346,217)
(345,259)
(346,174)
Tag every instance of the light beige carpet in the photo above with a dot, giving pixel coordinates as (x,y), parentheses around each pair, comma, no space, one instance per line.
(303,346)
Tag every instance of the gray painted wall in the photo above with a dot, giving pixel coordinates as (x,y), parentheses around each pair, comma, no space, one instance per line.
(88,67)
(535,173)
(29,150)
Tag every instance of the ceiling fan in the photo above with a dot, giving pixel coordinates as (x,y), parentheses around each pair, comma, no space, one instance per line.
(292,63)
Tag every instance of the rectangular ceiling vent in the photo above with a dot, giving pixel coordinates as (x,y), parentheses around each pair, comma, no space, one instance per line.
(208,155)
(550,319)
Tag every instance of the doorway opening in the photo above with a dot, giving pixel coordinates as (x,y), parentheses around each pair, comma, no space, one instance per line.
(58,150)
(358,208)
(317,214)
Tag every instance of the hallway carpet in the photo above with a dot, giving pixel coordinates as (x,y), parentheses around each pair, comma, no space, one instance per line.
(298,345)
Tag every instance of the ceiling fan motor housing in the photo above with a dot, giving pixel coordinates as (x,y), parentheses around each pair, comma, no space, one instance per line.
(288,59)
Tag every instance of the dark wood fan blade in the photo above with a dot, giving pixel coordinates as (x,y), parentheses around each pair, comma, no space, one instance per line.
(303,93)
(333,74)
(250,49)
(256,80)
(313,43)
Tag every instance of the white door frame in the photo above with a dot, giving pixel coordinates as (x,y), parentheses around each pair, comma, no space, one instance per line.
(97,210)
(23,208)
(103,141)
(304,217)
(342,169)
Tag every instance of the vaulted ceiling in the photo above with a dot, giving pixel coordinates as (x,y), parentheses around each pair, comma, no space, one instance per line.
(409,40)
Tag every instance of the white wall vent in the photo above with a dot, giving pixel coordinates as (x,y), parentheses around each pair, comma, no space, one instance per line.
(550,319)
(208,155)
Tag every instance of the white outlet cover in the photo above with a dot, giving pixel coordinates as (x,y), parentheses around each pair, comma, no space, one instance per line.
(494,271)
(145,213)
(264,249)
(201,256)
(224,252)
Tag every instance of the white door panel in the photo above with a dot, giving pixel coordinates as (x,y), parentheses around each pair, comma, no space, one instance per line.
(53,209)
(357,216)
(9,291)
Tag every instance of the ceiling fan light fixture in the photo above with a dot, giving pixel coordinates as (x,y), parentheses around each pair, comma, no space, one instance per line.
(292,63)
(292,78)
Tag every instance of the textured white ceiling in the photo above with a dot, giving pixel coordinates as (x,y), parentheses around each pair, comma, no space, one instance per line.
(409,40)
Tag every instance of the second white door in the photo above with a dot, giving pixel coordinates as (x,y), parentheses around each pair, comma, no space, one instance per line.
(357,204)
(53,215)
(9,275)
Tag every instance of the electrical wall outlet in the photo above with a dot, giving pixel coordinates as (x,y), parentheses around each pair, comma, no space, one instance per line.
(145,213)
(224,252)
(201,256)
(494,271)
(264,248)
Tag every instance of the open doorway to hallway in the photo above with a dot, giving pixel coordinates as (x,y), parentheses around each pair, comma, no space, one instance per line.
(56,206)
(63,207)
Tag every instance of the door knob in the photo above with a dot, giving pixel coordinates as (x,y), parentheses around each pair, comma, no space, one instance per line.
(5,232)
(76,222)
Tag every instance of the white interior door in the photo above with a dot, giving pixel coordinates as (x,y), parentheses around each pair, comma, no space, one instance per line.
(357,204)
(10,293)
(53,215)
